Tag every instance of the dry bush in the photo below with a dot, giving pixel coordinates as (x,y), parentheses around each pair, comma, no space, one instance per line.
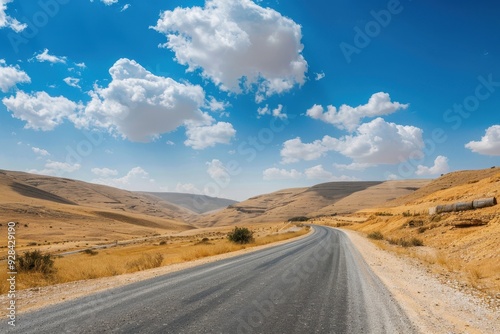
(146,261)
(377,235)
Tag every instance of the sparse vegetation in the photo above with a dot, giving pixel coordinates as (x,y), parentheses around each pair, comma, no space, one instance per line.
(146,261)
(377,235)
(240,235)
(36,262)
(403,242)
(382,214)
(416,242)
(298,219)
(90,251)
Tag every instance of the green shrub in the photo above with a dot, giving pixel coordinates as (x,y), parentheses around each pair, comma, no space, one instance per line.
(376,235)
(35,261)
(240,235)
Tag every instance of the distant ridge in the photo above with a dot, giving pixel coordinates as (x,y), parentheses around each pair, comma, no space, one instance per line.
(322,199)
(199,204)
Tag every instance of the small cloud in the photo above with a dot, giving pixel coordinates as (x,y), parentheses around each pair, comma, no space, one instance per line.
(320,76)
(440,167)
(214,105)
(125,7)
(73,82)
(349,118)
(46,57)
(354,166)
(489,143)
(56,168)
(276,112)
(104,172)
(81,65)
(281,174)
(40,151)
(319,173)
(10,76)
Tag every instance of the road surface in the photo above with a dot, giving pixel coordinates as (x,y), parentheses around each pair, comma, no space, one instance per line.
(317,284)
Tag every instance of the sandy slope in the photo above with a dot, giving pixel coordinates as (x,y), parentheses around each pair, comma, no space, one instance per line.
(433,306)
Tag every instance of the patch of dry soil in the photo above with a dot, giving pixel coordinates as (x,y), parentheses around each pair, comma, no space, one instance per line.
(434,307)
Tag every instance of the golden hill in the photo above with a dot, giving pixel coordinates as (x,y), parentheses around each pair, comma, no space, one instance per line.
(60,214)
(466,242)
(322,199)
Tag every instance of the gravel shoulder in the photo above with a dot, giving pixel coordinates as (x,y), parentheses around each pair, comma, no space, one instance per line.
(431,305)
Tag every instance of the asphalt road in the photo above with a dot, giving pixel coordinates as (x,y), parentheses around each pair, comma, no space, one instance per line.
(317,284)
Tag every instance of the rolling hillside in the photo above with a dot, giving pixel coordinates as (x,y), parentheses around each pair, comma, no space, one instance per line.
(60,214)
(465,242)
(322,199)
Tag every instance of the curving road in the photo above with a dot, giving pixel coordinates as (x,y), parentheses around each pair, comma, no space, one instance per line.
(317,284)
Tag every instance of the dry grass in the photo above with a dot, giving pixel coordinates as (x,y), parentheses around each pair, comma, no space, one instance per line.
(132,258)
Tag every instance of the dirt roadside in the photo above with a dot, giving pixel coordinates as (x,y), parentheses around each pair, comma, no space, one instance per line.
(434,307)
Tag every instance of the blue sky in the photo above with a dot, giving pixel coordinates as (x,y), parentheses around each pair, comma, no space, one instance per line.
(238,98)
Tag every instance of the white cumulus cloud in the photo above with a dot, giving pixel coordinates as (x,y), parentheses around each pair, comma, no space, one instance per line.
(440,167)
(238,45)
(376,142)
(294,150)
(381,142)
(281,174)
(11,76)
(204,136)
(139,105)
(9,22)
(489,143)
(349,118)
(40,111)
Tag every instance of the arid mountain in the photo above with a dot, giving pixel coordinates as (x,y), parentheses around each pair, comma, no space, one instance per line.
(322,199)
(51,210)
(465,241)
(199,204)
